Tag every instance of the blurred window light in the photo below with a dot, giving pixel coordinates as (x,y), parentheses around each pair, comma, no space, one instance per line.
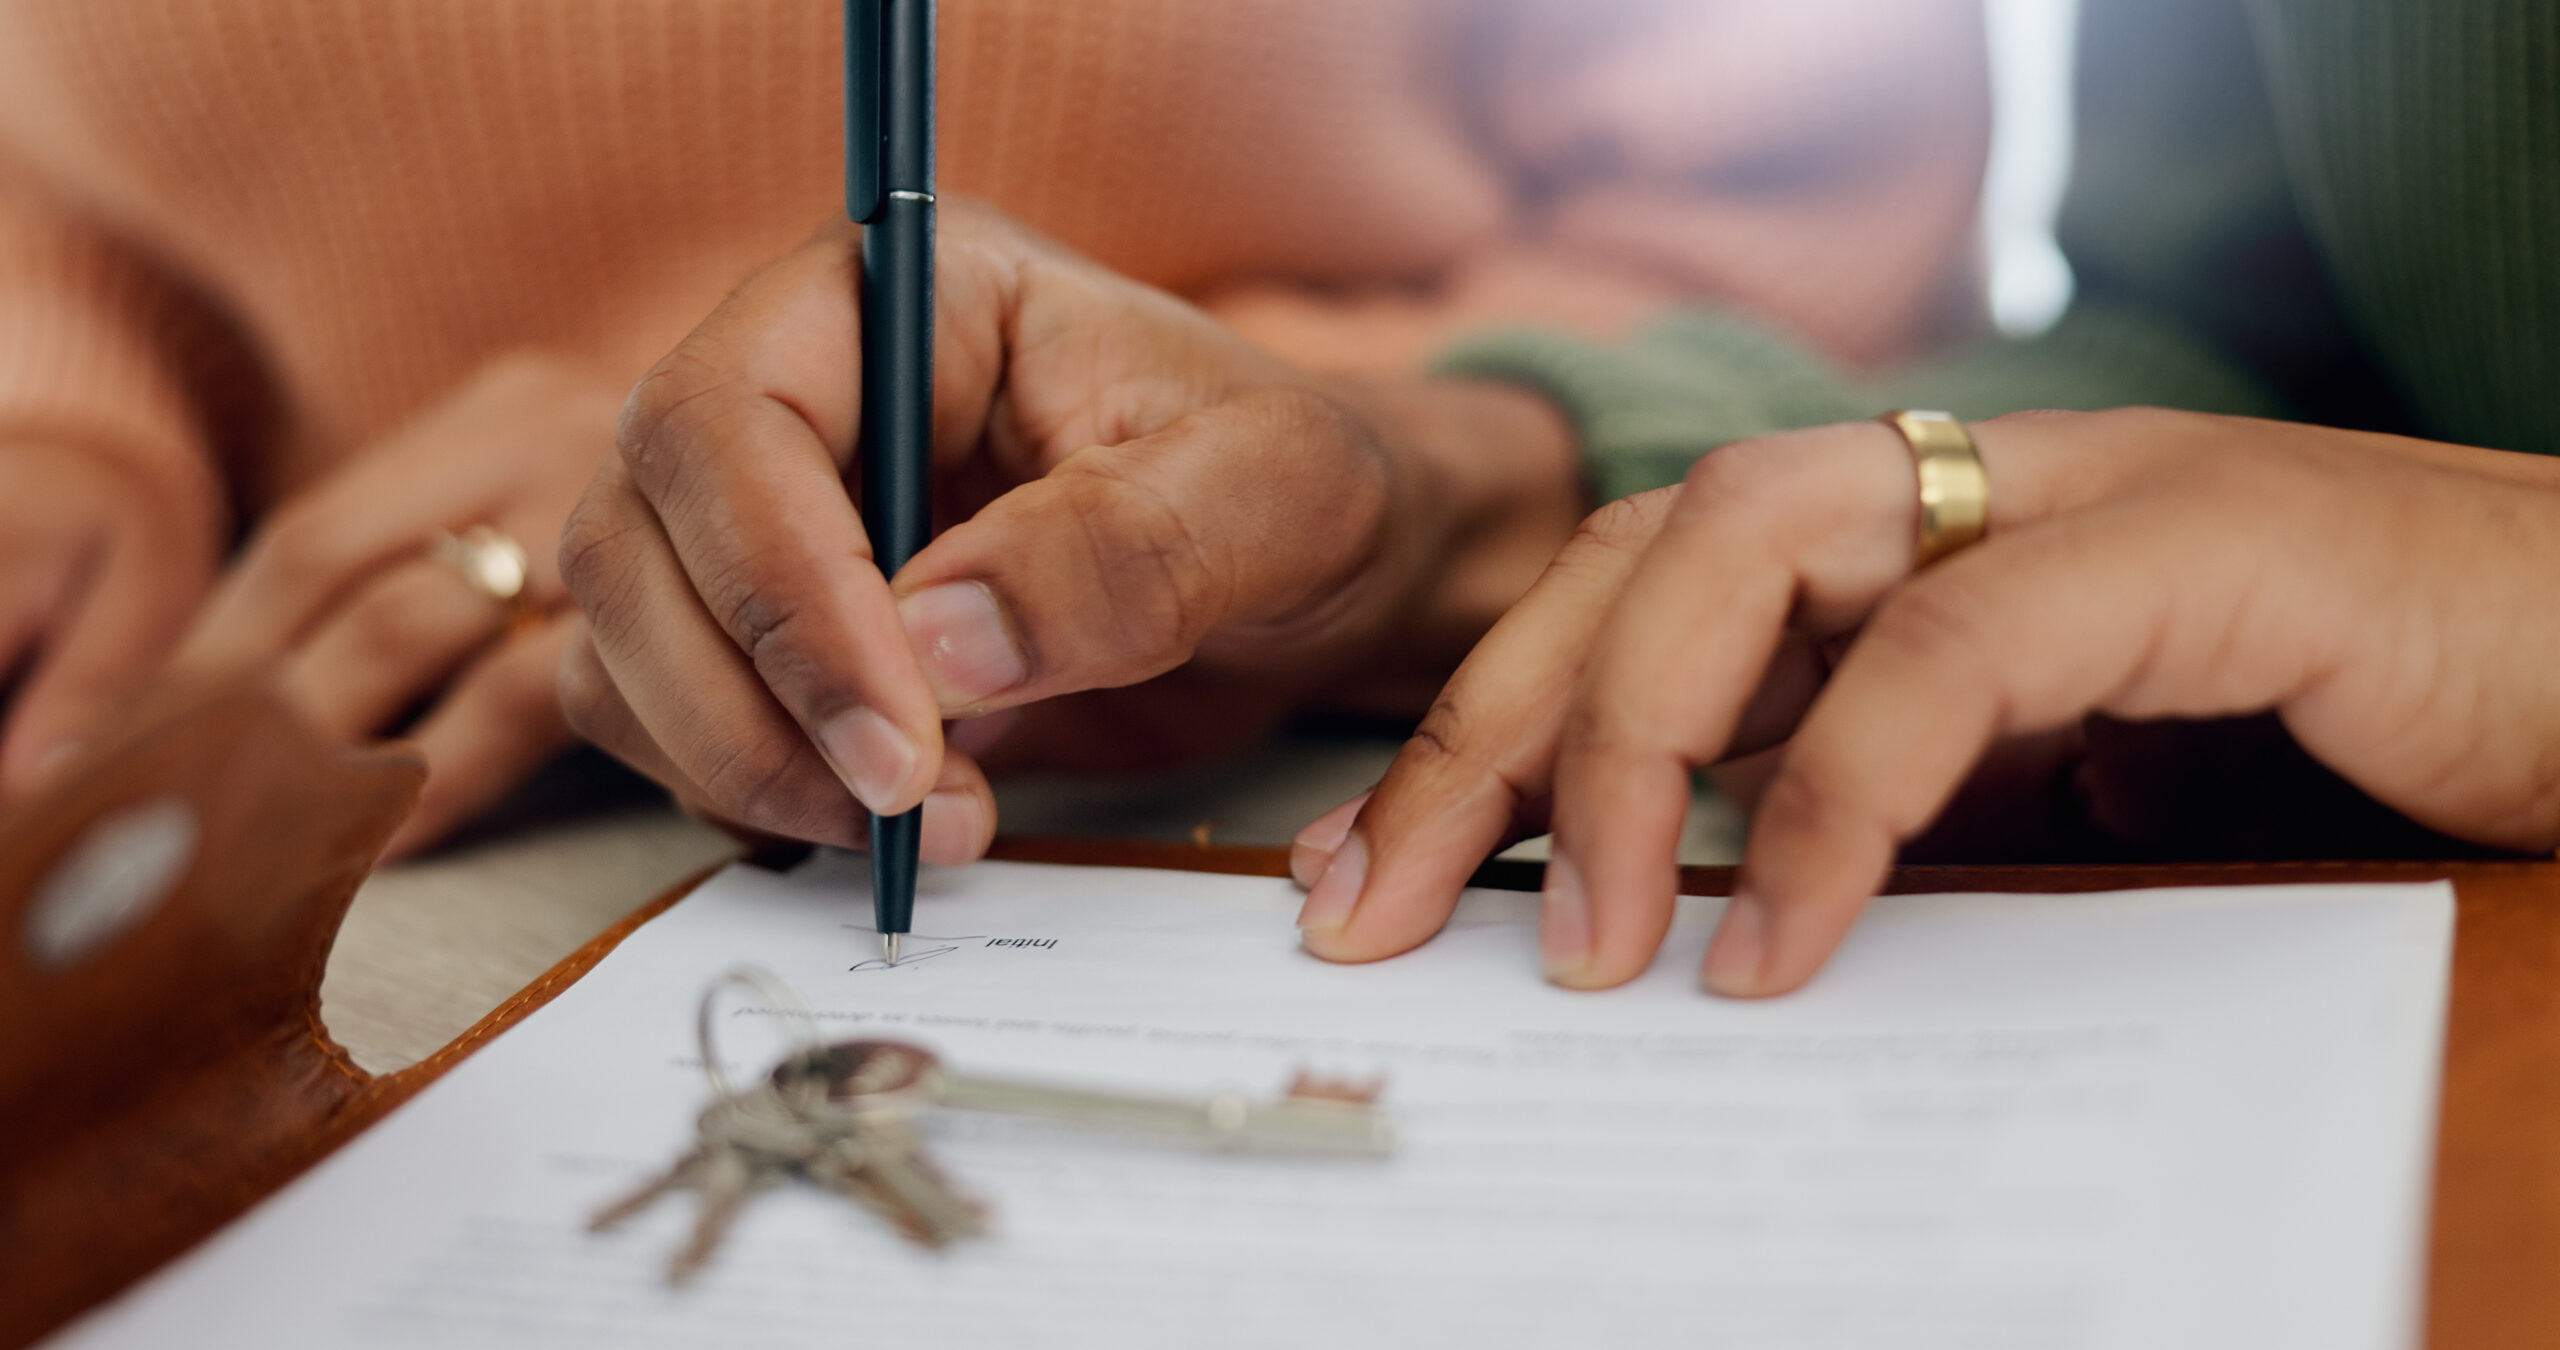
(2032,50)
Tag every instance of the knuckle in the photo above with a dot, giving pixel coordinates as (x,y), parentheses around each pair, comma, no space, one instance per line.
(1799,801)
(1800,487)
(1934,620)
(766,785)
(1627,524)
(758,598)
(665,388)
(585,539)
(1444,745)
(1590,732)
(1441,736)
(760,618)
(1164,580)
(1352,471)
(593,563)
(1596,729)
(746,778)
(1739,469)
(675,405)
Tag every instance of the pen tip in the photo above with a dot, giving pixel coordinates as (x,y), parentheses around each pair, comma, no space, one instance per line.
(889,948)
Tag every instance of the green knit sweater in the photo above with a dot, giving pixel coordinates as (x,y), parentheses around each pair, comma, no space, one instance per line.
(2340,211)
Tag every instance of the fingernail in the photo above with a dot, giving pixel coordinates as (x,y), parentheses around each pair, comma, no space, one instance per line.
(870,754)
(1739,948)
(955,828)
(1321,839)
(1337,892)
(1564,921)
(968,653)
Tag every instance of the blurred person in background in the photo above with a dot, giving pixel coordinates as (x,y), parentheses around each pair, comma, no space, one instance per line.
(289,292)
(2186,633)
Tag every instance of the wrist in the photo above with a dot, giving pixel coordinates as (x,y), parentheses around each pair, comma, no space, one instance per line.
(1497,468)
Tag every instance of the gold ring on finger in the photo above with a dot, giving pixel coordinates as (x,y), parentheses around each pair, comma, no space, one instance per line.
(1955,495)
(489,560)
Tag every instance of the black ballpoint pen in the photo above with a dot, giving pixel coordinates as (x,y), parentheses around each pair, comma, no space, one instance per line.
(888,187)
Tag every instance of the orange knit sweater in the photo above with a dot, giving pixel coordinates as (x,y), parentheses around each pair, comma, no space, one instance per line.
(270,229)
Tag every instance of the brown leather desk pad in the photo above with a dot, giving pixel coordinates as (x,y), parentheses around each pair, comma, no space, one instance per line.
(104,1175)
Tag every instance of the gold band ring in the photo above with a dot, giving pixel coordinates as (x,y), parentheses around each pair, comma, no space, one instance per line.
(490,561)
(1955,496)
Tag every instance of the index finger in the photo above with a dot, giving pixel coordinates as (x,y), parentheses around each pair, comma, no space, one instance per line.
(737,441)
(1481,758)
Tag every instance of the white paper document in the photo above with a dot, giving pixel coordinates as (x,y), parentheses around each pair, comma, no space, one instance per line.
(2192,1118)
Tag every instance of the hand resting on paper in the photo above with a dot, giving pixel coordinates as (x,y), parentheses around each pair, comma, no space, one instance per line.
(2387,599)
(1155,538)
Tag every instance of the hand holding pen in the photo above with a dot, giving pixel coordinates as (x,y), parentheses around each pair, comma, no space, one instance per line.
(888,185)
(1157,538)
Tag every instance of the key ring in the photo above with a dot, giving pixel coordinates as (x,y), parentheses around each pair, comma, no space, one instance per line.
(776,992)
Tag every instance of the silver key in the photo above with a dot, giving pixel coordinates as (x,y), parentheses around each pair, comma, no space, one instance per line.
(790,1126)
(842,1117)
(880,1163)
(725,1182)
(893,1080)
(744,1143)
(893,1179)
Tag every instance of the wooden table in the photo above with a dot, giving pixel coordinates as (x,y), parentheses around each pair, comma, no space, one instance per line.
(284,1095)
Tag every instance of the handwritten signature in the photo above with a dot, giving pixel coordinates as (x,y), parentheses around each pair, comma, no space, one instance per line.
(941,946)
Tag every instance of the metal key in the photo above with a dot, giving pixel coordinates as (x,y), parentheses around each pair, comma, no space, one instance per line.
(842,1117)
(787,1126)
(744,1143)
(881,1165)
(894,1080)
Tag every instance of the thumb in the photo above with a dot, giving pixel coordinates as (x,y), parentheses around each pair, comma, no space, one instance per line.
(1115,566)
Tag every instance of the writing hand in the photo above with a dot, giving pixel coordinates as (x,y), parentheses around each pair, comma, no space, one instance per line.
(1157,536)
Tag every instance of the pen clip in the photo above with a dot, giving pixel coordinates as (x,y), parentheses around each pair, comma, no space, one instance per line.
(866,95)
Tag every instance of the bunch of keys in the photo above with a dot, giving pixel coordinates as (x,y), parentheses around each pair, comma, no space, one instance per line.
(843,1117)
